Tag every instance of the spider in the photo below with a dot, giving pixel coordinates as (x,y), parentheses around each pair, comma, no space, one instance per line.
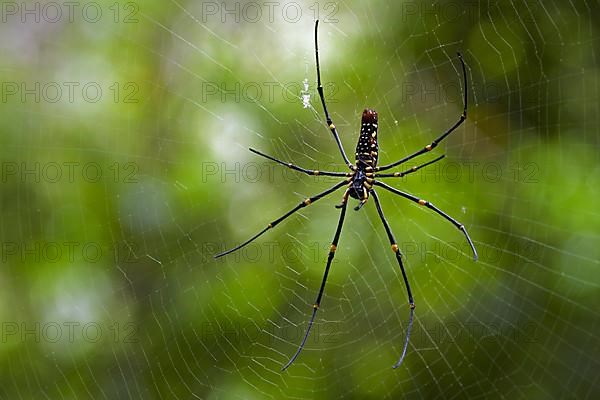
(359,183)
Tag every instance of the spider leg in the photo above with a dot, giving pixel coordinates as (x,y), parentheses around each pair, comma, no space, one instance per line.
(364,199)
(320,295)
(409,171)
(297,168)
(437,141)
(327,117)
(427,204)
(396,251)
(303,204)
(344,198)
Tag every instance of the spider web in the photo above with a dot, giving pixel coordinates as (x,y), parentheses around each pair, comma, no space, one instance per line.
(521,174)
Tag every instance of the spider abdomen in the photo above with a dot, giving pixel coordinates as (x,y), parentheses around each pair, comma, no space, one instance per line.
(367,148)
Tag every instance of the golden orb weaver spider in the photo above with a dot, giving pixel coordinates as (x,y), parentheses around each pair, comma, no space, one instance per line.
(360,182)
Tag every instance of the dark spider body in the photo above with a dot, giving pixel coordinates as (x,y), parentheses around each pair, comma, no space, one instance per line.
(367,151)
(360,183)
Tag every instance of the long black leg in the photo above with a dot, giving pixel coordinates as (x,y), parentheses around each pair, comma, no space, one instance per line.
(305,203)
(433,144)
(327,117)
(297,168)
(396,251)
(409,171)
(427,204)
(320,295)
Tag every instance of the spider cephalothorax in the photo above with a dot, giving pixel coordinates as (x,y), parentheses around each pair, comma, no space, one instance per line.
(359,183)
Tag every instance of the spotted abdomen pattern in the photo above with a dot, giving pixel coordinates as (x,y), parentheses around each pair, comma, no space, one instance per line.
(367,147)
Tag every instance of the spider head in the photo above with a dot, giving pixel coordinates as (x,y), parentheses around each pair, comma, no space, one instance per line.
(369,116)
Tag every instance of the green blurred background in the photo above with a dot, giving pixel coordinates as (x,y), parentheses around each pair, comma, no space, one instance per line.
(125,128)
